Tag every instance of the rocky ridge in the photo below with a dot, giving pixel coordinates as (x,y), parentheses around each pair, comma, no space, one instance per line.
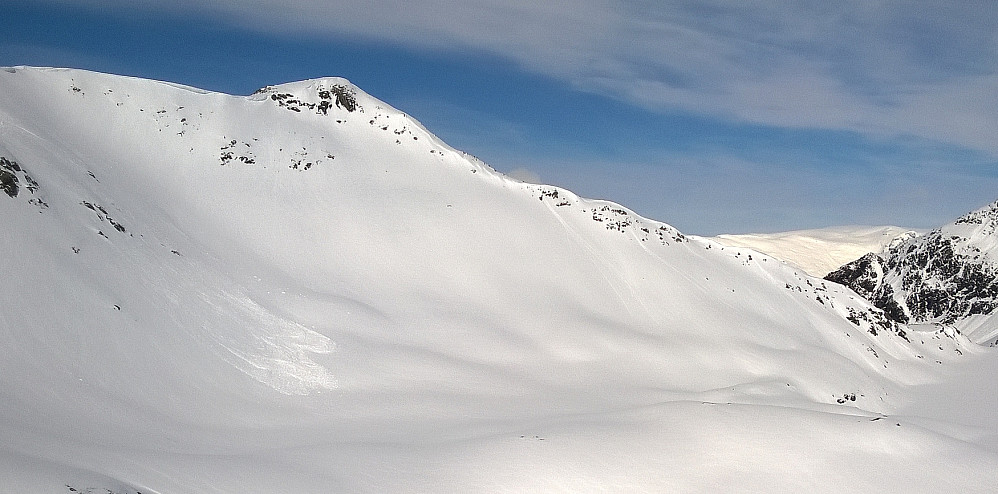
(947,277)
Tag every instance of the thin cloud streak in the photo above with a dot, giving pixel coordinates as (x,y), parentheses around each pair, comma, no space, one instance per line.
(887,68)
(722,117)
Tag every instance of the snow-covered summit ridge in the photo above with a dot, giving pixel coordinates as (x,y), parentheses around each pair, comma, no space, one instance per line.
(318,95)
(27,69)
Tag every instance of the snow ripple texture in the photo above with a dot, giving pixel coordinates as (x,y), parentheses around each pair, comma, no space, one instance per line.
(272,350)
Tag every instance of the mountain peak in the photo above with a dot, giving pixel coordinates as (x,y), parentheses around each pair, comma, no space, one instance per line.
(318,95)
(948,276)
(315,82)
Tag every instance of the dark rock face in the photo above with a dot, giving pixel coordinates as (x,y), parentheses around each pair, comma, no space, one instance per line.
(944,276)
(342,96)
(862,275)
(345,97)
(11,185)
(943,281)
(8,178)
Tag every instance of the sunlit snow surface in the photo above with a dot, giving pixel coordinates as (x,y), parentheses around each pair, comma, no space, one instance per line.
(213,293)
(821,251)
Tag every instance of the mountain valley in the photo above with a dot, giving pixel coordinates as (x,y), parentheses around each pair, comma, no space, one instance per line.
(305,290)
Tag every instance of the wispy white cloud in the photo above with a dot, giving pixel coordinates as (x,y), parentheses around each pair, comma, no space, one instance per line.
(887,67)
(916,79)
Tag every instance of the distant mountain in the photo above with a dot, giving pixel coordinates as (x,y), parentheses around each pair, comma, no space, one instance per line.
(948,276)
(819,251)
(304,290)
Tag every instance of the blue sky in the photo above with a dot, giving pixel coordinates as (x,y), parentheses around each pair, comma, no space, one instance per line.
(713,116)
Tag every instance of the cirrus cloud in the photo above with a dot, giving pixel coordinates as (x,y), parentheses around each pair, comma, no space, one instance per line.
(879,68)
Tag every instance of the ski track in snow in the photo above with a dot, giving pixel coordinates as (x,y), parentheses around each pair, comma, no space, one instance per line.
(266,347)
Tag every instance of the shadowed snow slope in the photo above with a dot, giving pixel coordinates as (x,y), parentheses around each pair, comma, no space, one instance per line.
(303,290)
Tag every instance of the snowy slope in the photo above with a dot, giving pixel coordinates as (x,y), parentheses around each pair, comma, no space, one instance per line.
(303,290)
(820,251)
(948,276)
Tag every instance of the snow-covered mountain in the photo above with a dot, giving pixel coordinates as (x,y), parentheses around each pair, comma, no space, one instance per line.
(303,290)
(819,251)
(948,276)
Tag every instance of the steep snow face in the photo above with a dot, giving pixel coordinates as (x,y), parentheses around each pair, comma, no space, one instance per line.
(303,288)
(821,251)
(948,276)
